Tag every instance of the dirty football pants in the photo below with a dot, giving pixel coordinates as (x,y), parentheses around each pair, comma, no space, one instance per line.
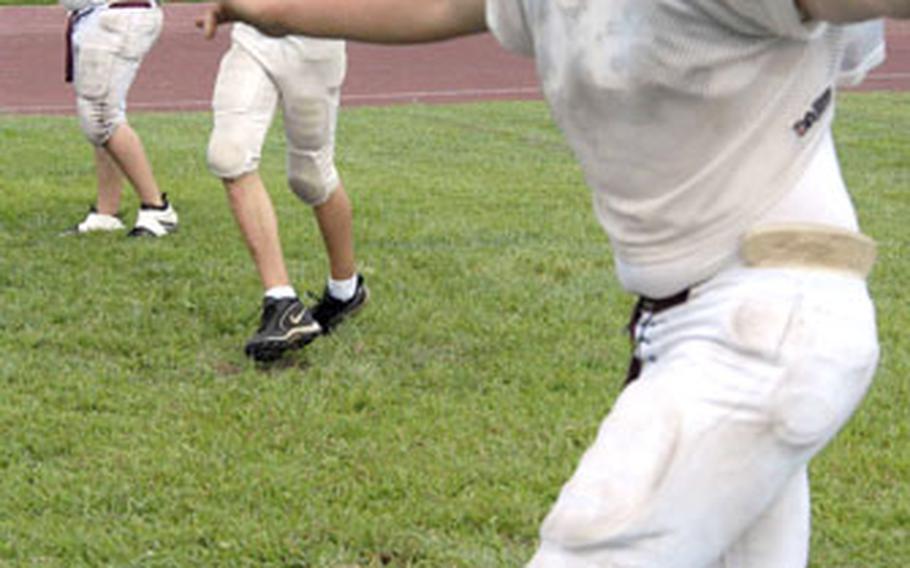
(702,461)
(110,45)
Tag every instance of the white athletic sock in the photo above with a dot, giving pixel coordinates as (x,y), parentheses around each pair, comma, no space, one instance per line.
(343,289)
(281,292)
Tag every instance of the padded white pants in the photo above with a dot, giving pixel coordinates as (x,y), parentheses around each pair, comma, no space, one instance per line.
(702,461)
(109,46)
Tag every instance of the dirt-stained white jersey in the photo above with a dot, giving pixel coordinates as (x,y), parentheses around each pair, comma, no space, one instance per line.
(690,118)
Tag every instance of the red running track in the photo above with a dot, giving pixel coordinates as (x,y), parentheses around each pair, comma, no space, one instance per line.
(180,71)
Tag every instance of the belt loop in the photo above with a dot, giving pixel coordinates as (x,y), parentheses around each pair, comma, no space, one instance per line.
(651,306)
(634,368)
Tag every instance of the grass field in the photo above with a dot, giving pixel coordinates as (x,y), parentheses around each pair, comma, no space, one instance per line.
(436,428)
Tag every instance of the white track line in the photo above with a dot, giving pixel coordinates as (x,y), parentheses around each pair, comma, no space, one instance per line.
(378,98)
(205,104)
(418,95)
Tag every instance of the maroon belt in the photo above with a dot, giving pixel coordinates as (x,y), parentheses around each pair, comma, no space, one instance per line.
(131,4)
(651,306)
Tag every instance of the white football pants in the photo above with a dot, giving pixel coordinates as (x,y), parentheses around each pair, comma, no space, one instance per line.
(702,461)
(109,46)
(248,90)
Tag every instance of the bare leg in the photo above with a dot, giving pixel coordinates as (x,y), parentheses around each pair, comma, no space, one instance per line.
(255,216)
(110,183)
(335,224)
(125,147)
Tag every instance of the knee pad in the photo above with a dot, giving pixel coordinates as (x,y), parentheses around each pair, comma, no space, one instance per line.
(310,125)
(98,120)
(805,418)
(312,175)
(228,156)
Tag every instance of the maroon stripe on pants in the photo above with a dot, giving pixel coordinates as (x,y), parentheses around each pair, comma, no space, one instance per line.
(71,21)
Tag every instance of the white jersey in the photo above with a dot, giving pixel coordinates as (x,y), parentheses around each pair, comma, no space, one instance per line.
(269,50)
(690,118)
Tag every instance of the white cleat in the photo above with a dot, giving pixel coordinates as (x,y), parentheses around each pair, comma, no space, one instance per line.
(154,221)
(97,222)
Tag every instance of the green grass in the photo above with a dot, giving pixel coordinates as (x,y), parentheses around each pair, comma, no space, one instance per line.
(436,428)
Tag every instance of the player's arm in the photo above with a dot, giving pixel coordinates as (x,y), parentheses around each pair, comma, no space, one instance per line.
(377,21)
(845,11)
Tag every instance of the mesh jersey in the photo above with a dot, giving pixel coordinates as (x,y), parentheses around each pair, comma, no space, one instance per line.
(690,118)
(269,50)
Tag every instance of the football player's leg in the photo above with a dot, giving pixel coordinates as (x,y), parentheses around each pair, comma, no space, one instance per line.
(310,121)
(110,183)
(751,378)
(243,105)
(310,96)
(658,487)
(111,48)
(104,214)
(310,106)
(780,535)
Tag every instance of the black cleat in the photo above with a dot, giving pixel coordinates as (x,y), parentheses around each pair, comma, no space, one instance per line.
(286,324)
(330,312)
